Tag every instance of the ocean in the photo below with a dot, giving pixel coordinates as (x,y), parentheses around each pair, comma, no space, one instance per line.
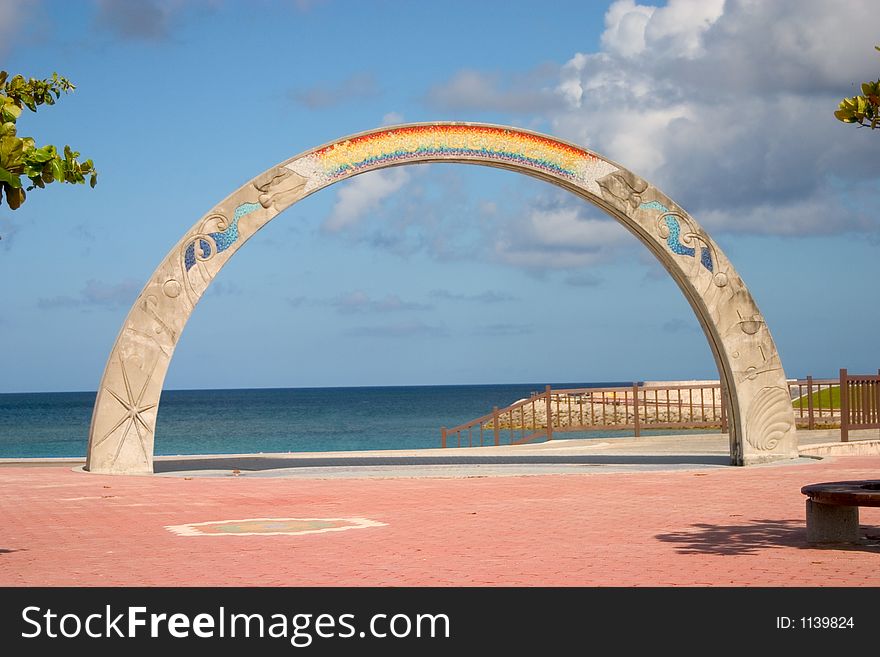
(265,420)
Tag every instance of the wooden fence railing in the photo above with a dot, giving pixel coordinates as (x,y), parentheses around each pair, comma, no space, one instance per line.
(859,402)
(815,404)
(698,405)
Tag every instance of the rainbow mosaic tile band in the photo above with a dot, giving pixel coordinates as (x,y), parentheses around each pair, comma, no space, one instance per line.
(454,142)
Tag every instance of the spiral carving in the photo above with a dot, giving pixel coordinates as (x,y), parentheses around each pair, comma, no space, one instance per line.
(769,418)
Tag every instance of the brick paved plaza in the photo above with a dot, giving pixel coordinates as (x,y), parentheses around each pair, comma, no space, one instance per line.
(718,526)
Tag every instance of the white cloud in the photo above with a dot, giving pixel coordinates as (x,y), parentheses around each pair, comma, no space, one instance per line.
(149,20)
(474,90)
(503,330)
(585,279)
(362,195)
(565,228)
(625,24)
(433,215)
(488,208)
(489,296)
(678,28)
(558,235)
(436,216)
(392,118)
(8,230)
(679,325)
(12,15)
(360,302)
(96,294)
(727,107)
(398,330)
(354,87)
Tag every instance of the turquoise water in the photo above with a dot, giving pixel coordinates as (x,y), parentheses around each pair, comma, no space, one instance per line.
(264,420)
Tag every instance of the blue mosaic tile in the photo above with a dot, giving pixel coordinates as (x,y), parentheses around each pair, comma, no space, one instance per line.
(189,258)
(654,205)
(222,239)
(673,242)
(229,236)
(706,258)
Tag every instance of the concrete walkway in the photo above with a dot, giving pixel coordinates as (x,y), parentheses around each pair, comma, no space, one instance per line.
(560,456)
(658,512)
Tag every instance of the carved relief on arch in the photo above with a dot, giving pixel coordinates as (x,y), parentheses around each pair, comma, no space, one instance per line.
(279,188)
(126,406)
(623,189)
(769,418)
(207,248)
(674,229)
(683,239)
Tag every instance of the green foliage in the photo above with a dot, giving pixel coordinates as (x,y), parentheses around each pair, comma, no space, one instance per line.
(19,156)
(863,110)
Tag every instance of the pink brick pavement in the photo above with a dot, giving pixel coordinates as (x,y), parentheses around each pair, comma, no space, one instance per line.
(720,527)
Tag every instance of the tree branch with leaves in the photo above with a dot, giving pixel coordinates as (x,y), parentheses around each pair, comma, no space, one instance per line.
(863,110)
(19,156)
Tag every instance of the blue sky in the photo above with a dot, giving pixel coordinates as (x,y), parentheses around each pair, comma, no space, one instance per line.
(442,274)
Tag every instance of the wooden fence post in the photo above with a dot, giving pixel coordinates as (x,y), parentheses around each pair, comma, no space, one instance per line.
(844,407)
(442,436)
(637,428)
(549,414)
(810,423)
(724,427)
(495,425)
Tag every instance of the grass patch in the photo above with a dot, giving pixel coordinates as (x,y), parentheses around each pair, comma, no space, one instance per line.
(824,398)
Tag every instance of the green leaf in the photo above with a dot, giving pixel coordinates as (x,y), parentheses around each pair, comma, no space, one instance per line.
(57,169)
(10,112)
(9,178)
(32,170)
(93,180)
(43,154)
(10,149)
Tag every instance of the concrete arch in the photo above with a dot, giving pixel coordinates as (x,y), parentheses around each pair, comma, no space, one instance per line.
(762,426)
